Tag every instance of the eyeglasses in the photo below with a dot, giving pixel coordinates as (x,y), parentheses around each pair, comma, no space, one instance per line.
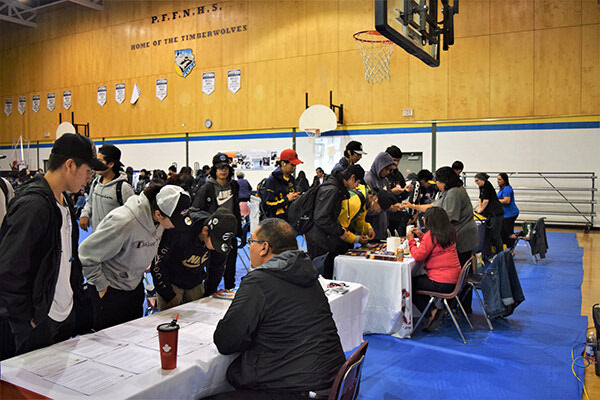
(250,241)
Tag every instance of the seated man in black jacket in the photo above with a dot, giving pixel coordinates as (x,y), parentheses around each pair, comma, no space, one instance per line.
(180,267)
(280,322)
(327,234)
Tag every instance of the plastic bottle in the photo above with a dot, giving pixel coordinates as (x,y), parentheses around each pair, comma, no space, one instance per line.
(591,348)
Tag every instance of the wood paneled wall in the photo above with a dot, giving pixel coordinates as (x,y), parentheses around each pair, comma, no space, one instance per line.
(511,59)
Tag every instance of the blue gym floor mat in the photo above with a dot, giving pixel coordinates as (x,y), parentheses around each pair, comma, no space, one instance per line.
(527,356)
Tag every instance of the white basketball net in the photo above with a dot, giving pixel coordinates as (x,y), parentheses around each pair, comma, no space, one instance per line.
(376,52)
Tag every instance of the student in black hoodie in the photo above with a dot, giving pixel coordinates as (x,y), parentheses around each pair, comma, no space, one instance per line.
(40,272)
(179,268)
(327,236)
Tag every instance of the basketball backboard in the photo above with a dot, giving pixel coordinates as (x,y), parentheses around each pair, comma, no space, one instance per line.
(412,25)
(318,117)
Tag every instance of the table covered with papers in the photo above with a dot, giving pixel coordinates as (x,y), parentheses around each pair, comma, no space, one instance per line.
(124,362)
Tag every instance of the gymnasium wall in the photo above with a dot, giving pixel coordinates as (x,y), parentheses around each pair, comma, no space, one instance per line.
(511,59)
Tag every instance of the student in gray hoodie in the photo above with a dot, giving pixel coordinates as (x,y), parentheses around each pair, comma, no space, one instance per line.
(108,191)
(377,180)
(116,255)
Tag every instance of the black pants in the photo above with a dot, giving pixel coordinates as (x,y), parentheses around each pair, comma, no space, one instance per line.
(493,236)
(335,247)
(422,282)
(221,266)
(397,222)
(508,228)
(45,334)
(117,306)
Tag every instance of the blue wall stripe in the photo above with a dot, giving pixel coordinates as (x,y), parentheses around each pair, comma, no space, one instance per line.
(345,132)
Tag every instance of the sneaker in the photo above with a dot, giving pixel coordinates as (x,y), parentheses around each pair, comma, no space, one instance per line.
(437,316)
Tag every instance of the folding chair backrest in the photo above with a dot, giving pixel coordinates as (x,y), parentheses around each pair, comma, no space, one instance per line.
(347,381)
(462,278)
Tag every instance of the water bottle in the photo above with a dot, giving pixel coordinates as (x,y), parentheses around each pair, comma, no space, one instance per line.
(590,348)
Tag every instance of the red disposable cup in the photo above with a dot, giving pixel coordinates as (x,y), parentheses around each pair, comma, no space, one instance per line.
(167,339)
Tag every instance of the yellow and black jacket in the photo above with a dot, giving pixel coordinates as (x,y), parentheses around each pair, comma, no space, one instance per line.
(275,202)
(353,213)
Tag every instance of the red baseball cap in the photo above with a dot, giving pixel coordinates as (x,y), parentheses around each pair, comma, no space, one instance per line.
(290,156)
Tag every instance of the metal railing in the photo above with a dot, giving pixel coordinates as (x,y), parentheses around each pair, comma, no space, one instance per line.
(547,194)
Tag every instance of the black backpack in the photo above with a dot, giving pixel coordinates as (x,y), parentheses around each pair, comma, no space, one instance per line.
(300,212)
(119,190)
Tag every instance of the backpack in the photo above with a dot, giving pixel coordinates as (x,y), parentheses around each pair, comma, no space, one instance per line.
(300,212)
(260,188)
(119,190)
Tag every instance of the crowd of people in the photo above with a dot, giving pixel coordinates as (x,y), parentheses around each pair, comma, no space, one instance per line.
(183,228)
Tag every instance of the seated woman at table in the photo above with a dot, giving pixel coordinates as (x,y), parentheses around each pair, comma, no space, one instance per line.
(437,251)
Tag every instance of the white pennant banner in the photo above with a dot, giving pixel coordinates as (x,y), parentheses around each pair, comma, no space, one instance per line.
(67,99)
(51,101)
(35,103)
(234,78)
(101,95)
(161,89)
(120,92)
(7,107)
(22,104)
(208,82)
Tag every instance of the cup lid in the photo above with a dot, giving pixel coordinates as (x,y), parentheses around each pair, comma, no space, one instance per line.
(167,327)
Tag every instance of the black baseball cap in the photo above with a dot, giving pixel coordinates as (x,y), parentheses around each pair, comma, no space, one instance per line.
(222,226)
(75,145)
(220,159)
(112,153)
(355,146)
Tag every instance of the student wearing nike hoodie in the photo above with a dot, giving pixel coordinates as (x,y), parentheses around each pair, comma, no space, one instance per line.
(179,269)
(280,323)
(116,255)
(221,190)
(108,191)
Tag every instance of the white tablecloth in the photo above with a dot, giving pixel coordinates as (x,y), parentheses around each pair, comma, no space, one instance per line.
(124,362)
(389,308)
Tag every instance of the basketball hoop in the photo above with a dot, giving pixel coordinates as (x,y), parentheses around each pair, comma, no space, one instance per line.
(376,52)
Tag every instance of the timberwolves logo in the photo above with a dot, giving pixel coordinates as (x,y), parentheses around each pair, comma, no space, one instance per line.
(184,62)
